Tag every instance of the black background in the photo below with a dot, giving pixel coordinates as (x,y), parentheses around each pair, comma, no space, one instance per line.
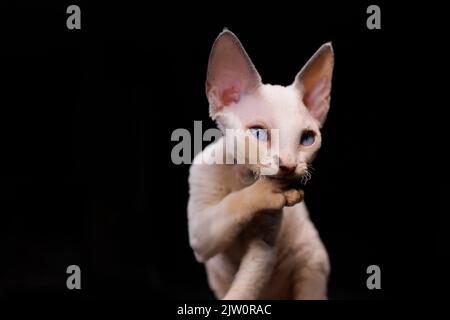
(86,123)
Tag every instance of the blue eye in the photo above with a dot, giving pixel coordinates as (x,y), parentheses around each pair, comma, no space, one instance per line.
(259,133)
(308,138)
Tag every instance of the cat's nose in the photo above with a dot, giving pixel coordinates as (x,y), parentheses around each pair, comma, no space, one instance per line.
(286,165)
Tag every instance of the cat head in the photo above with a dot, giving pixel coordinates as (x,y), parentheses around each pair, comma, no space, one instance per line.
(281,124)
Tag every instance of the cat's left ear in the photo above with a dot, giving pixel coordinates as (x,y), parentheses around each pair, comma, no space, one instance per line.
(314,82)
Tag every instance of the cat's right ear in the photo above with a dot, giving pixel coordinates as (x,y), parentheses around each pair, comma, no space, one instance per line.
(230,74)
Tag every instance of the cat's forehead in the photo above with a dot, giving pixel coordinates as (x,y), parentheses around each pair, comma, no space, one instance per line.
(285,103)
(285,99)
(274,105)
(279,95)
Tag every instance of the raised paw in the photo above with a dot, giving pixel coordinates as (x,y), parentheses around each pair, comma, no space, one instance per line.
(293,196)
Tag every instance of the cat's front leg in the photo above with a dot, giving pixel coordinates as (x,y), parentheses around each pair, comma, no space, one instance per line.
(258,262)
(255,271)
(215,223)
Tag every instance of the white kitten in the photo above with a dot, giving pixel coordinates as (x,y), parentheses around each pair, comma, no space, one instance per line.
(252,231)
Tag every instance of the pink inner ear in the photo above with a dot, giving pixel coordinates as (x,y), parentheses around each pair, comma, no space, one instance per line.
(230,95)
(316,98)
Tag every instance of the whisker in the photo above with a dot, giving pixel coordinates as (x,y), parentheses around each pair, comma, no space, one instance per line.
(306,177)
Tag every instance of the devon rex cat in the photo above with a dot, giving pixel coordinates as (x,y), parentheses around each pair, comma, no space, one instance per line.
(252,230)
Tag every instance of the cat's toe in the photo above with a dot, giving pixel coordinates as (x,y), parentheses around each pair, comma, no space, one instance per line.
(293,196)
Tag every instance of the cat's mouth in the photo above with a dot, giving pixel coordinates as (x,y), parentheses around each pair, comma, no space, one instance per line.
(292,180)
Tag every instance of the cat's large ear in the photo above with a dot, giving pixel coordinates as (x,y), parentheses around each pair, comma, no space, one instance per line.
(231,73)
(314,82)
